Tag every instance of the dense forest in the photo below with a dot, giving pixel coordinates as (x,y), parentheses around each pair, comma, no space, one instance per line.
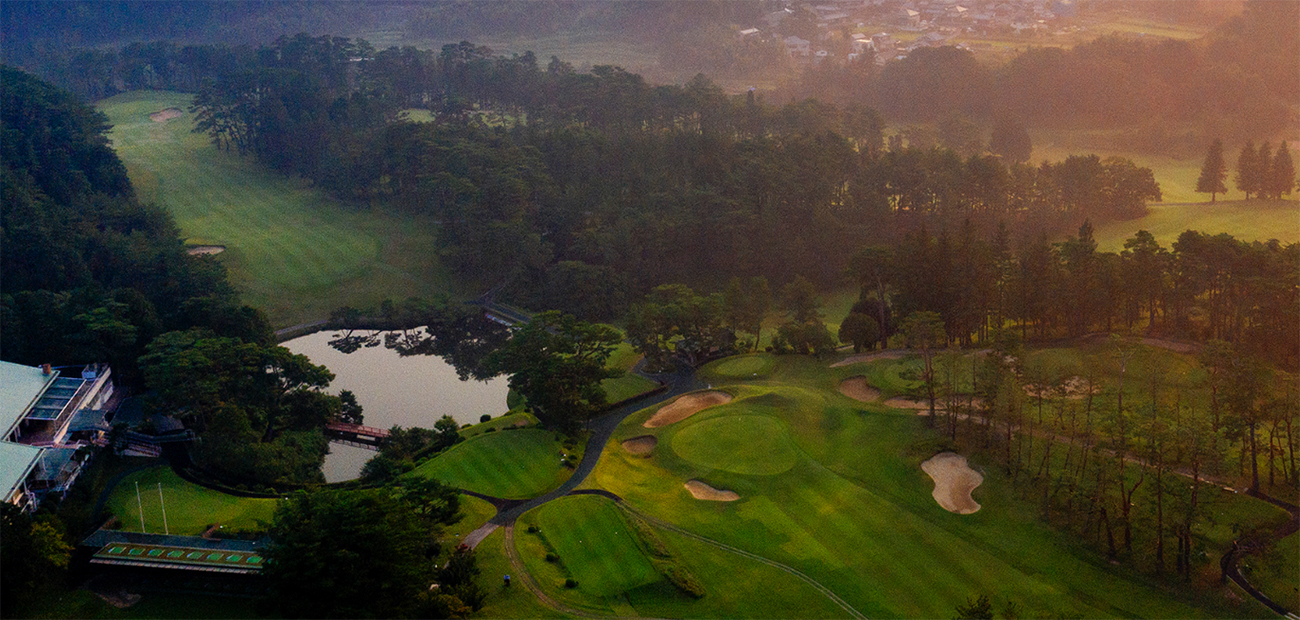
(687,215)
(90,273)
(93,275)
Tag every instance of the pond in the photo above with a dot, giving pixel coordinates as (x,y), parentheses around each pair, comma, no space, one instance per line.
(408,389)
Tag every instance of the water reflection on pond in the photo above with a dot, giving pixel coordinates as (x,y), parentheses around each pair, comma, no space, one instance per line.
(394,389)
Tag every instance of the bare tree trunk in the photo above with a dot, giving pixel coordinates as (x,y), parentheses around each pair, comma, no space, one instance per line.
(1254,460)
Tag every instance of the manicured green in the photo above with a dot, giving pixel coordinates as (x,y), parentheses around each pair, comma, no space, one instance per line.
(625,387)
(291,250)
(741,444)
(753,366)
(855,512)
(594,544)
(190,508)
(514,464)
(623,357)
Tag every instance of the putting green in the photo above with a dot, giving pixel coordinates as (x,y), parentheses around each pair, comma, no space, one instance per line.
(741,444)
(744,366)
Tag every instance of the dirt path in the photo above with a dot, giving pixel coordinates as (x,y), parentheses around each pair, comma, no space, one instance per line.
(526,580)
(602,428)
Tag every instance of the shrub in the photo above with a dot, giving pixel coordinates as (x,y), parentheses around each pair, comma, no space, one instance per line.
(490,430)
(649,539)
(532,529)
(570,583)
(551,557)
(485,417)
(682,579)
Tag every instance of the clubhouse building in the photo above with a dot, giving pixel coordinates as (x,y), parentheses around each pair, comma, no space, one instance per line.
(51,420)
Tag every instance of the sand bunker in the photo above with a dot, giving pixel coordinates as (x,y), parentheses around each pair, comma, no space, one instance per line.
(162,116)
(858,389)
(641,446)
(953,482)
(699,490)
(685,407)
(899,402)
(867,357)
(205,249)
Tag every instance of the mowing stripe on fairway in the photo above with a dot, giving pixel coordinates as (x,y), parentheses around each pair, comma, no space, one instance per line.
(514,464)
(741,552)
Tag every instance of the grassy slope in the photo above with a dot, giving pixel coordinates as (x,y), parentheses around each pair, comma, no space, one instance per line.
(291,251)
(592,542)
(515,601)
(1253,220)
(856,513)
(516,464)
(190,507)
(629,385)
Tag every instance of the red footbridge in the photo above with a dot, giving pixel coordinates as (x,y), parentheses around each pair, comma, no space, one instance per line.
(356,435)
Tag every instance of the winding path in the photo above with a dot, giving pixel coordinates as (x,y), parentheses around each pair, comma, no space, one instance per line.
(602,428)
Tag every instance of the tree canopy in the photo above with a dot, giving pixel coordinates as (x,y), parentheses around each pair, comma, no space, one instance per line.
(361,554)
(556,363)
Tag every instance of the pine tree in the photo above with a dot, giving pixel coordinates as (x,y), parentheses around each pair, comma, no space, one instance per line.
(1214,172)
(1247,178)
(1263,168)
(1281,175)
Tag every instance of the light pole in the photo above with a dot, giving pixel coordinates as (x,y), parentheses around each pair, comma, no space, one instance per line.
(166,530)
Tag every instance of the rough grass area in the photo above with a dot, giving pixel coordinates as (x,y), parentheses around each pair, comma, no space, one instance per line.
(515,464)
(1278,575)
(510,420)
(291,251)
(473,513)
(515,601)
(153,604)
(190,507)
(855,512)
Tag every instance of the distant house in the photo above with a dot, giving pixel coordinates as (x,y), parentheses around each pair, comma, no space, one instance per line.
(796,47)
(862,46)
(48,418)
(775,18)
(749,33)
